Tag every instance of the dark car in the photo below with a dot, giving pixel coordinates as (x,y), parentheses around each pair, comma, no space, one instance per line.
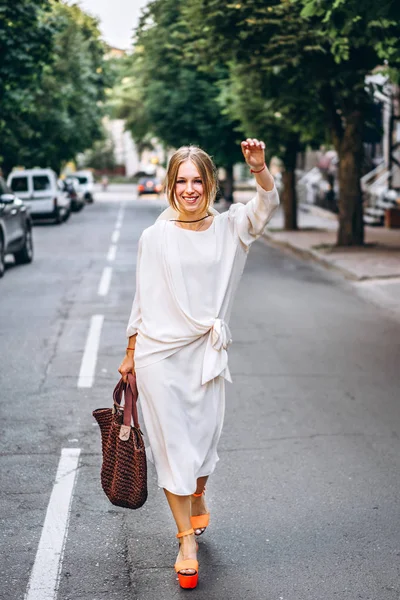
(149,185)
(15,228)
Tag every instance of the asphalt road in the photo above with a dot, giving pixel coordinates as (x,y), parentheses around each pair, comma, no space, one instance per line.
(305,499)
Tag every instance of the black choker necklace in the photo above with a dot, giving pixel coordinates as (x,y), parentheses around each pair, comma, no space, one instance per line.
(202,219)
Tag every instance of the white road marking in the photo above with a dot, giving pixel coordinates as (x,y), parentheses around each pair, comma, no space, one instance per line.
(115,237)
(111,253)
(120,216)
(89,359)
(45,575)
(105,281)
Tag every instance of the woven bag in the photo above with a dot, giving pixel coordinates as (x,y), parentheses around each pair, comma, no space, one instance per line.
(124,467)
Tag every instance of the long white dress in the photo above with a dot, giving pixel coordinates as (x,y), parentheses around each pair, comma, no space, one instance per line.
(185,286)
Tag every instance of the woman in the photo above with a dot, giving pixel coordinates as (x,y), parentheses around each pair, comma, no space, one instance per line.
(189,265)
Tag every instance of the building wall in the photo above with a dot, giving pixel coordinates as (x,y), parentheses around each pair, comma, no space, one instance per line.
(125,149)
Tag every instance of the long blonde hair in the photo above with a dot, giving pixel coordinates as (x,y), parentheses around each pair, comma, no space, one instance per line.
(205,167)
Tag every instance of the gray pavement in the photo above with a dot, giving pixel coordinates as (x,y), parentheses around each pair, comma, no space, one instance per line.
(374,269)
(305,500)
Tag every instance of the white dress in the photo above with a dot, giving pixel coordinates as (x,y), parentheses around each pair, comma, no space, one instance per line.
(185,286)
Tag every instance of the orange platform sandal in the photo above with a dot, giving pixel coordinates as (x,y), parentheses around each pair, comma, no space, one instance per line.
(186,580)
(200,521)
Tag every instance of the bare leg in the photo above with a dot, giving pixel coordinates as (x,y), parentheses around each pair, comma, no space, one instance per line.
(181,509)
(198,504)
(201,484)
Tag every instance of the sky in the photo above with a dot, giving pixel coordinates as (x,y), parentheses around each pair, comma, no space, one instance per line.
(118,18)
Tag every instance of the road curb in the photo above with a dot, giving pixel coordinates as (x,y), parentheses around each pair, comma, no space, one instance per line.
(310,254)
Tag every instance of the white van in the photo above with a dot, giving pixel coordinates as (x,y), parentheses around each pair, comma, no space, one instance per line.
(86,184)
(39,189)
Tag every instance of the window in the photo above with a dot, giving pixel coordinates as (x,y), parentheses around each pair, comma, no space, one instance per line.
(19,184)
(41,183)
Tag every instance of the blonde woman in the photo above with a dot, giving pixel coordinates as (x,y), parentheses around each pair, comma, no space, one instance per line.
(189,266)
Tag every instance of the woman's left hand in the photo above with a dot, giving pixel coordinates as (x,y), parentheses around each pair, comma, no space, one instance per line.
(253,151)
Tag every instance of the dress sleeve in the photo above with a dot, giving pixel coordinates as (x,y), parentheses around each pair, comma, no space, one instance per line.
(136,316)
(250,219)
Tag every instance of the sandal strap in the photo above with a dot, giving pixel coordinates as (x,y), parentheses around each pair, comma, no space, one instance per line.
(183,533)
(200,521)
(189,563)
(198,495)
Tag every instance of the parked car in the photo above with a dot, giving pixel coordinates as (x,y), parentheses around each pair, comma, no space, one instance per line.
(39,189)
(149,185)
(70,185)
(86,184)
(15,228)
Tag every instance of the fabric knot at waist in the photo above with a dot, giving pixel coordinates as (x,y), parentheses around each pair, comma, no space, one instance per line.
(220,335)
(216,356)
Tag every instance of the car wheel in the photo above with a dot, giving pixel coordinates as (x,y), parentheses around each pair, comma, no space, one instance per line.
(67,215)
(57,216)
(77,206)
(89,198)
(2,257)
(25,255)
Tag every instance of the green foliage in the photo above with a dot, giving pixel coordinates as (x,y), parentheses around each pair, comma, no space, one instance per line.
(271,101)
(58,97)
(319,52)
(26,37)
(347,25)
(168,94)
(68,111)
(322,49)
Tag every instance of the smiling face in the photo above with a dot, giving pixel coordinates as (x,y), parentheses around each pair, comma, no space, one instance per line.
(191,182)
(189,190)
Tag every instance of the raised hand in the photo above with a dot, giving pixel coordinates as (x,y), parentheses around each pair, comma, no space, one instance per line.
(253,152)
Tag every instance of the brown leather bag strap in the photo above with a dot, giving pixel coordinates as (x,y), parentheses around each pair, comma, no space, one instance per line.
(131,396)
(118,391)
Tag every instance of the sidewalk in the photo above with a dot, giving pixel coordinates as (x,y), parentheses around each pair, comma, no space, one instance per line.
(374,267)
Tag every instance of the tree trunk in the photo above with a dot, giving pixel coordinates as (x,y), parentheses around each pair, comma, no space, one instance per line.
(289,194)
(350,150)
(228,184)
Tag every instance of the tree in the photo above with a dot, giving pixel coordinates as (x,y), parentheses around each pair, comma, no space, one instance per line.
(263,103)
(171,96)
(26,37)
(57,95)
(69,103)
(357,38)
(330,46)
(278,107)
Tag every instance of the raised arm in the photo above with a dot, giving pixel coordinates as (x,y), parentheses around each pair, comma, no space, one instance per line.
(253,152)
(250,219)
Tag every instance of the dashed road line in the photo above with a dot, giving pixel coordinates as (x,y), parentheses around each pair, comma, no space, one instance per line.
(45,575)
(105,281)
(115,237)
(89,359)
(111,253)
